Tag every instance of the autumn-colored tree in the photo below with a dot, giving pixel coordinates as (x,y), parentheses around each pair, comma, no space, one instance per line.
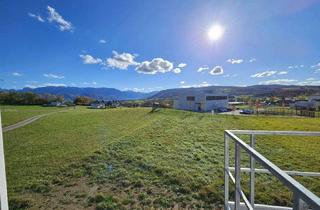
(82,100)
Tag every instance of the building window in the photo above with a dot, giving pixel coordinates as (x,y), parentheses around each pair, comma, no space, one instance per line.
(211,98)
(191,98)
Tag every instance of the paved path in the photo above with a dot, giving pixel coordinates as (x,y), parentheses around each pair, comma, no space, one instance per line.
(27,121)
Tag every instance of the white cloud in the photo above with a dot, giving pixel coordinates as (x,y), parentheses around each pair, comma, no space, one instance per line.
(182,65)
(295,66)
(16,74)
(88,59)
(264,74)
(230,75)
(54,76)
(36,85)
(157,65)
(182,82)
(317,71)
(102,41)
(121,61)
(38,17)
(310,82)
(278,82)
(234,61)
(217,70)
(54,16)
(202,68)
(135,89)
(203,84)
(31,86)
(282,72)
(90,83)
(176,70)
(311,79)
(316,66)
(54,84)
(252,60)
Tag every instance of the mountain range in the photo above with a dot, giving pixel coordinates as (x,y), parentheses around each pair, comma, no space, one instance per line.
(115,94)
(71,93)
(254,90)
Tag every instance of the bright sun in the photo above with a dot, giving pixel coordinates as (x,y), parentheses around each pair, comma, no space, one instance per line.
(215,32)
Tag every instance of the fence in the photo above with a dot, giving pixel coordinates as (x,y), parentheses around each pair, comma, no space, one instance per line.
(3,182)
(287,112)
(302,197)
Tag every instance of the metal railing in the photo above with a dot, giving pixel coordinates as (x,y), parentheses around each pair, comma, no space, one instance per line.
(302,197)
(3,181)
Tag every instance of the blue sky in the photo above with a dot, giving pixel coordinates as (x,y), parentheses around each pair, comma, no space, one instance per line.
(152,45)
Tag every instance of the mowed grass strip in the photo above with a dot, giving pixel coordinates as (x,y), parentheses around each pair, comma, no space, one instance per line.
(149,160)
(12,114)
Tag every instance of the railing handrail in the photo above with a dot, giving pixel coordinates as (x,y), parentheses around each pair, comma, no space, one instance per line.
(3,180)
(280,133)
(298,189)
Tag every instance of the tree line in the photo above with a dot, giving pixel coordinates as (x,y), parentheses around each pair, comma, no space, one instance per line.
(29,98)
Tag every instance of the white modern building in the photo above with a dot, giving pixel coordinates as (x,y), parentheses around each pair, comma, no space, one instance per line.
(200,101)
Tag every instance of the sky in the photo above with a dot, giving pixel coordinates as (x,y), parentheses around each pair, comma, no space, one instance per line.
(158,44)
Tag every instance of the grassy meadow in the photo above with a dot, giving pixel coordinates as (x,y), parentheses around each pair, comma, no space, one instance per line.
(13,114)
(130,158)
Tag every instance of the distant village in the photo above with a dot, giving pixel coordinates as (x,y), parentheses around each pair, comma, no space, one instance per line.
(221,103)
(192,100)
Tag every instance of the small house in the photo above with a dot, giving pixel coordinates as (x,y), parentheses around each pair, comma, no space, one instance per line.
(98,105)
(55,103)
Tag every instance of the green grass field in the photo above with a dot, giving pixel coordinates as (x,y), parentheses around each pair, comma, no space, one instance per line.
(129,158)
(13,114)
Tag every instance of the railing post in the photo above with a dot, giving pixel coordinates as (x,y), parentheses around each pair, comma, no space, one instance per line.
(252,171)
(298,203)
(226,171)
(3,181)
(237,176)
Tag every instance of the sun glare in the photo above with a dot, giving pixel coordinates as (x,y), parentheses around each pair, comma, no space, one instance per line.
(215,32)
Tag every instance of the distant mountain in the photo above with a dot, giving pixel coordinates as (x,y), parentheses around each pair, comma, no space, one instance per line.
(115,94)
(96,93)
(255,90)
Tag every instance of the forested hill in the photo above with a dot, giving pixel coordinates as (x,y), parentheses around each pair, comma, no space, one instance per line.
(255,91)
